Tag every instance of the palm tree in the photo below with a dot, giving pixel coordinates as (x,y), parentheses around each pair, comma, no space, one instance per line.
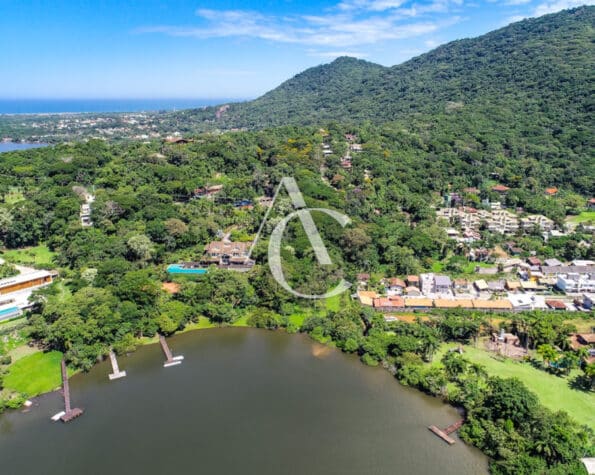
(548,353)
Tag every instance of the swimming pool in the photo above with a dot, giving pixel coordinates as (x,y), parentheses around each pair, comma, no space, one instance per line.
(9,312)
(180,269)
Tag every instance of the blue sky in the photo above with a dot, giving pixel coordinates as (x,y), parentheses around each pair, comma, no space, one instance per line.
(223,48)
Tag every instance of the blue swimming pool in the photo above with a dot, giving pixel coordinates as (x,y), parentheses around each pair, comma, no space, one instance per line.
(180,269)
(9,312)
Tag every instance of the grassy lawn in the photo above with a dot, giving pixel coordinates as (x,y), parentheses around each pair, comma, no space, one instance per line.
(333,304)
(241,322)
(553,391)
(584,217)
(40,256)
(35,374)
(297,319)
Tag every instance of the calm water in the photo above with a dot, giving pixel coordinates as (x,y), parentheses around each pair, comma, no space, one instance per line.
(55,106)
(10,146)
(243,401)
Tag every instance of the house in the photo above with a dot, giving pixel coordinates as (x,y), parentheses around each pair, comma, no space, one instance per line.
(531,286)
(412,291)
(367,297)
(586,341)
(85,215)
(414,303)
(512,285)
(586,338)
(395,286)
(388,304)
(591,203)
(506,338)
(472,190)
(243,204)
(496,286)
(521,301)
(496,305)
(461,285)
(265,201)
(588,301)
(552,263)
(355,147)
(533,261)
(486,270)
(555,304)
(537,221)
(479,255)
(442,284)
(513,248)
(450,303)
(363,279)
(551,191)
(573,283)
(27,281)
(481,285)
(207,191)
(176,140)
(502,189)
(227,254)
(412,281)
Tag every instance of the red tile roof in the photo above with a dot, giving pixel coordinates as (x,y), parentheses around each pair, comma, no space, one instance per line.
(555,304)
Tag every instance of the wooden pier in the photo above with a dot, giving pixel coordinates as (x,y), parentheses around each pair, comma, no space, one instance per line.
(69,413)
(444,434)
(116,373)
(170,360)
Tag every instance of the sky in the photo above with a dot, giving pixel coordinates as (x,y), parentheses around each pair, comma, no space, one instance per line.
(223,48)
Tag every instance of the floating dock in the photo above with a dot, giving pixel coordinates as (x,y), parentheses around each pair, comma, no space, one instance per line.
(68,413)
(170,360)
(116,373)
(444,434)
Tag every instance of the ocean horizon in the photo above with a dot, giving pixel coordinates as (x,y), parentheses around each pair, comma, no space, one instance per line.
(64,106)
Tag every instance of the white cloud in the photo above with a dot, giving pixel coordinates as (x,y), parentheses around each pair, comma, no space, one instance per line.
(351,23)
(557,5)
(337,54)
(513,19)
(517,2)
(370,5)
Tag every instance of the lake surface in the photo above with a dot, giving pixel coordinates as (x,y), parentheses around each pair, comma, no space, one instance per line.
(243,401)
(10,146)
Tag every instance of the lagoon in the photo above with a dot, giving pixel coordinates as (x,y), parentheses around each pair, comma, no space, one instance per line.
(12,146)
(243,401)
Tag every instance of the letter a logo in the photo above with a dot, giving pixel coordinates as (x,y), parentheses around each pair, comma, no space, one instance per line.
(303,213)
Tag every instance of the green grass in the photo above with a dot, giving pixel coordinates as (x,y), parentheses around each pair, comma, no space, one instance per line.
(40,256)
(297,319)
(554,392)
(584,217)
(35,374)
(333,304)
(242,321)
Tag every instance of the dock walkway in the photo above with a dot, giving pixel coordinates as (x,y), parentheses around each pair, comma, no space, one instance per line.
(170,360)
(116,373)
(444,434)
(69,413)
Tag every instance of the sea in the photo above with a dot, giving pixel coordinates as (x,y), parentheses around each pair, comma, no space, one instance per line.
(59,106)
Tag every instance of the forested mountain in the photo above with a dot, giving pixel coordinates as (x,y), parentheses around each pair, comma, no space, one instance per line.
(539,67)
(520,95)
